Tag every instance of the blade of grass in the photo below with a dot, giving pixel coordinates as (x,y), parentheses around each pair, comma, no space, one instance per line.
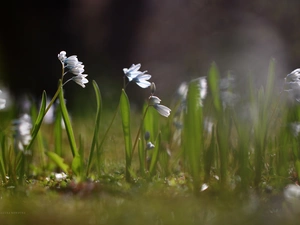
(38,121)
(155,155)
(125,116)
(193,134)
(97,126)
(67,121)
(59,161)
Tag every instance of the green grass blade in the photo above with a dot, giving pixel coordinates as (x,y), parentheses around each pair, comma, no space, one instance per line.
(59,161)
(142,157)
(58,131)
(125,116)
(155,155)
(39,120)
(97,126)
(67,121)
(213,82)
(193,133)
(3,171)
(151,122)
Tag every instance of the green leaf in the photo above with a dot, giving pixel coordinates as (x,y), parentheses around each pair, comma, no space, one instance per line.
(155,155)
(77,165)
(58,161)
(193,133)
(151,122)
(58,131)
(213,82)
(97,126)
(67,121)
(39,120)
(142,156)
(125,116)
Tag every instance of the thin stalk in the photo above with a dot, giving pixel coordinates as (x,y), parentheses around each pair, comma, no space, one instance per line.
(139,131)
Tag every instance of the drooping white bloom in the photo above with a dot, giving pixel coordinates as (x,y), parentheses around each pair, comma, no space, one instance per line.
(292,85)
(161,109)
(80,79)
(140,78)
(74,66)
(150,146)
(22,128)
(294,76)
(2,102)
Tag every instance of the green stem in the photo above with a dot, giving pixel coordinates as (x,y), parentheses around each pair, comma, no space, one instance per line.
(139,131)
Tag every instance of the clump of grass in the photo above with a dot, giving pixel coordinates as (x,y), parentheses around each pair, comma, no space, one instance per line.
(213,142)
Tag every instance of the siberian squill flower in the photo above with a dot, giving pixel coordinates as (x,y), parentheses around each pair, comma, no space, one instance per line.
(72,65)
(2,102)
(292,84)
(161,109)
(22,128)
(140,78)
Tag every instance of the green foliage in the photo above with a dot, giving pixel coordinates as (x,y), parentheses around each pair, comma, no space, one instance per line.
(193,134)
(96,129)
(125,116)
(58,160)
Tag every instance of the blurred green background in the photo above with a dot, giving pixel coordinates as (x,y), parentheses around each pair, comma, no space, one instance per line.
(173,40)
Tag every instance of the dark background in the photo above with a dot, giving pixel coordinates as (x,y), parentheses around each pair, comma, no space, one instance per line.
(175,40)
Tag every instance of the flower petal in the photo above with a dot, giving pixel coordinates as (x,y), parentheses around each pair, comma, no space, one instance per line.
(162,110)
(153,100)
(80,79)
(143,83)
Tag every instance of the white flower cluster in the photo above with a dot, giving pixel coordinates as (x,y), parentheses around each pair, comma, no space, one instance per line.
(22,128)
(161,109)
(292,84)
(75,67)
(2,102)
(141,79)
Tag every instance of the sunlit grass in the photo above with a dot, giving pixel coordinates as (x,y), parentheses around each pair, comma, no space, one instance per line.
(215,157)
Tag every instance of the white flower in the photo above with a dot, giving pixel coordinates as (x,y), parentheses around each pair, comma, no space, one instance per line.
(62,56)
(22,128)
(80,79)
(294,76)
(2,102)
(60,176)
(291,195)
(292,84)
(75,67)
(153,100)
(150,146)
(133,71)
(140,78)
(161,109)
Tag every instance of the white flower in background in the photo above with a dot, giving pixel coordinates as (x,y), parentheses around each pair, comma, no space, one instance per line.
(292,84)
(294,76)
(60,176)
(150,146)
(2,102)
(202,85)
(22,134)
(228,97)
(72,65)
(291,195)
(161,109)
(140,78)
